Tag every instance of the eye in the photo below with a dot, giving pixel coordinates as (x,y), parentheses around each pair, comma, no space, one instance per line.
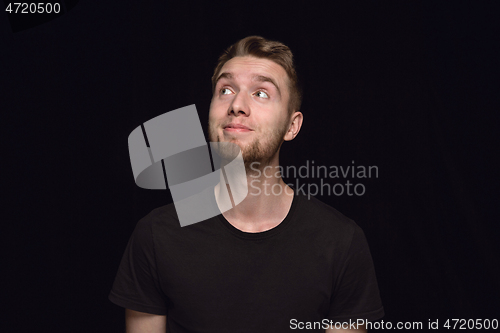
(225,91)
(261,94)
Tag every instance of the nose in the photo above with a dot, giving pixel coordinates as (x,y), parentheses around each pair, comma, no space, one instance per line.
(239,105)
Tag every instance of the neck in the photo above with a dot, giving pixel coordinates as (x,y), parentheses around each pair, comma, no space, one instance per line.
(267,202)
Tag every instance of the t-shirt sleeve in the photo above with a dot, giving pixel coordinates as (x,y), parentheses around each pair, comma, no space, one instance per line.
(136,284)
(355,290)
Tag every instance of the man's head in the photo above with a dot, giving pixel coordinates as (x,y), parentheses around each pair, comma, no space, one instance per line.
(259,47)
(256,98)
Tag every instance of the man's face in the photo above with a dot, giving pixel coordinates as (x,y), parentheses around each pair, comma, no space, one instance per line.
(249,107)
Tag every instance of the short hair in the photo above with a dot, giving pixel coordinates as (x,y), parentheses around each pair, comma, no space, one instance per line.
(277,52)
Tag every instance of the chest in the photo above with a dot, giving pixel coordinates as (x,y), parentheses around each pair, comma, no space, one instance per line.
(205,280)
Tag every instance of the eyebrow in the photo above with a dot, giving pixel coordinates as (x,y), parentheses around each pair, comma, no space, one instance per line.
(258,78)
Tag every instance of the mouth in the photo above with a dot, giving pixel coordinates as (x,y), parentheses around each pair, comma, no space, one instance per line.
(237,128)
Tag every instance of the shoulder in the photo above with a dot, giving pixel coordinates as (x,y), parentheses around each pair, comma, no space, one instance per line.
(158,218)
(164,215)
(317,215)
(163,227)
(322,213)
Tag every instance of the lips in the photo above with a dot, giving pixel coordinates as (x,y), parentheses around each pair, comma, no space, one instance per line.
(237,127)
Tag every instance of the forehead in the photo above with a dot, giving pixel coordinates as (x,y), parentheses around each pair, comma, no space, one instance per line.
(248,66)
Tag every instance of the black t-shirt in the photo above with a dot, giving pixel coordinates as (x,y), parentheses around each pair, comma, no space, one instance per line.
(213,277)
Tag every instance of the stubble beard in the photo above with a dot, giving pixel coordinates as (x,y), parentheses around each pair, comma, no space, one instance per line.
(256,155)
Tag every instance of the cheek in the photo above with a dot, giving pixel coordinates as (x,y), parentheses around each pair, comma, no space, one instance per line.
(214,111)
(211,109)
(212,120)
(217,109)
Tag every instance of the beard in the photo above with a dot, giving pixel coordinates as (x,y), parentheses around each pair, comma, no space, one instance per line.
(260,151)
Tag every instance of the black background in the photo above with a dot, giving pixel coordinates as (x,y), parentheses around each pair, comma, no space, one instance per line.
(410,87)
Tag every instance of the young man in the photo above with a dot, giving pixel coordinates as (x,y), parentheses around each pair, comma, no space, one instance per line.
(276,262)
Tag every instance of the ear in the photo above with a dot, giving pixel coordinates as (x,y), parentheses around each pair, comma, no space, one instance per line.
(295,125)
